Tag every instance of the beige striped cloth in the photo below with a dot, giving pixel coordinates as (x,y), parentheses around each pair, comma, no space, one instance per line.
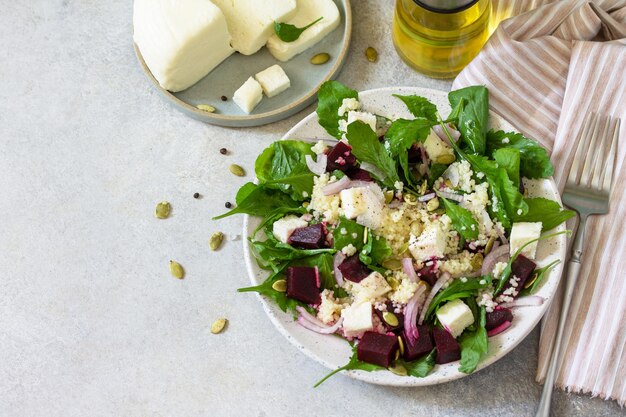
(546,69)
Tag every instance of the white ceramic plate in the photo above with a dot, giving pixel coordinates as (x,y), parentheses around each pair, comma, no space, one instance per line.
(333,352)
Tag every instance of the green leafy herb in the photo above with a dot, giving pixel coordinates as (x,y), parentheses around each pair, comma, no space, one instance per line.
(272,253)
(509,159)
(462,220)
(420,107)
(436,171)
(258,200)
(401,136)
(548,212)
(473,345)
(340,240)
(471,108)
(457,289)
(534,159)
(329,98)
(375,251)
(280,298)
(290,33)
(421,367)
(538,276)
(353,364)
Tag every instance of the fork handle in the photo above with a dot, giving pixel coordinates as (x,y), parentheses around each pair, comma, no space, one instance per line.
(573,269)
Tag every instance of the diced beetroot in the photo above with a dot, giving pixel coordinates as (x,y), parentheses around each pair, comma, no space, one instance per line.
(310,237)
(359,174)
(429,274)
(388,327)
(448,349)
(415,155)
(340,157)
(497,317)
(522,268)
(422,346)
(376,348)
(353,269)
(303,284)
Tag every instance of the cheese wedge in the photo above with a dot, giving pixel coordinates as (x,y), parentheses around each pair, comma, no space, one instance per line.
(180,41)
(308,11)
(251,22)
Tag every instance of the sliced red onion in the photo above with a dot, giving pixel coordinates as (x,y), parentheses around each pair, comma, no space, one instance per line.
(409,270)
(337,186)
(443,279)
(455,134)
(499,329)
(374,170)
(451,196)
(499,254)
(317,167)
(426,197)
(410,314)
(305,315)
(528,301)
(337,260)
(322,330)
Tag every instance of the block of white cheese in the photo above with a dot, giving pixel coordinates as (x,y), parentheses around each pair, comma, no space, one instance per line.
(357,319)
(365,204)
(370,288)
(455,316)
(521,233)
(431,243)
(283,228)
(251,22)
(181,41)
(435,147)
(367,118)
(308,11)
(273,80)
(248,95)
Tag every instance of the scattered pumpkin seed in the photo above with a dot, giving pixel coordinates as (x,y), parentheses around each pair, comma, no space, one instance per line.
(371,54)
(445,159)
(390,318)
(216,240)
(162,210)
(433,204)
(477,261)
(206,107)
(410,199)
(416,228)
(280,285)
(489,245)
(218,326)
(177,270)
(393,282)
(398,369)
(388,196)
(320,59)
(392,263)
(401,345)
(237,170)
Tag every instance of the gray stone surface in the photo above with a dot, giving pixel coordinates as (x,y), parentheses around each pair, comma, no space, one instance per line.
(91,322)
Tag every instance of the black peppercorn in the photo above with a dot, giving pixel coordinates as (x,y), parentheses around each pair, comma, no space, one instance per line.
(228,204)
(196,195)
(224,98)
(223,151)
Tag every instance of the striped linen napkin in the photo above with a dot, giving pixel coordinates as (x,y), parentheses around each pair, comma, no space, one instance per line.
(545,70)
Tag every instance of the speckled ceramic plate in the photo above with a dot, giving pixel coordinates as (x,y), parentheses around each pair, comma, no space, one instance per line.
(333,352)
(236,69)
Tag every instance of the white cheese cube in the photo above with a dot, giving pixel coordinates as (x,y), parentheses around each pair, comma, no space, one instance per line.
(348,104)
(524,232)
(435,147)
(180,42)
(251,22)
(431,243)
(455,316)
(363,204)
(308,11)
(283,228)
(248,95)
(365,117)
(273,80)
(370,288)
(357,319)
(352,202)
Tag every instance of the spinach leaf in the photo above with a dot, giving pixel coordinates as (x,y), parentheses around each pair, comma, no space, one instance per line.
(258,200)
(401,136)
(353,364)
(436,171)
(271,253)
(280,298)
(367,148)
(537,277)
(375,251)
(290,33)
(509,159)
(473,345)
(534,159)
(420,367)
(420,107)
(329,98)
(340,240)
(545,211)
(472,116)
(462,220)
(458,289)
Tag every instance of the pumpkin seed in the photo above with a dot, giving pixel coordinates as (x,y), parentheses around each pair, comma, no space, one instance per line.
(305,204)
(433,204)
(477,261)
(393,282)
(398,369)
(320,59)
(218,326)
(390,318)
(177,270)
(440,211)
(410,199)
(416,228)
(489,245)
(403,248)
(531,281)
(216,240)
(280,285)
(424,188)
(162,210)
(371,54)
(365,235)
(401,345)
(237,170)
(445,159)
(388,196)
(392,263)
(206,107)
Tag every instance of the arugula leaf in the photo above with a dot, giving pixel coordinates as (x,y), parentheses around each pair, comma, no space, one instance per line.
(403,133)
(420,107)
(548,212)
(436,171)
(367,148)
(272,253)
(509,159)
(375,251)
(458,289)
(420,367)
(534,158)
(472,117)
(258,200)
(283,166)
(329,98)
(537,277)
(290,33)
(280,298)
(473,345)
(353,364)
(351,227)
(462,220)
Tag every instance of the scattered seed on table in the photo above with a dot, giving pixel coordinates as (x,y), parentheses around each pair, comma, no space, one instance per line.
(237,170)
(218,326)
(228,204)
(162,210)
(320,59)
(196,195)
(371,54)
(177,270)
(224,98)
(206,107)
(223,151)
(216,240)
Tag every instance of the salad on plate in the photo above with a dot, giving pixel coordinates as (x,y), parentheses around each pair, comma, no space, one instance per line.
(413,239)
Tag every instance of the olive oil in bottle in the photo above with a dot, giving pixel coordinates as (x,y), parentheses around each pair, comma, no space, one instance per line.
(440,37)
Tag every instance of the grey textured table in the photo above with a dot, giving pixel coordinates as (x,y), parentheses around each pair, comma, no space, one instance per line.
(91,322)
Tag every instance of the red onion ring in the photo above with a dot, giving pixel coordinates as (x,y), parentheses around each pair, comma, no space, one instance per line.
(337,186)
(317,167)
(409,270)
(499,329)
(443,279)
(410,314)
(451,196)
(528,301)
(323,330)
(455,134)
(499,254)
(337,260)
(426,197)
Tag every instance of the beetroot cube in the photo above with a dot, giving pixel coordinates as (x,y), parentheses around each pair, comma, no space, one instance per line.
(428,274)
(376,348)
(448,349)
(340,157)
(353,269)
(522,268)
(422,346)
(414,154)
(359,174)
(310,237)
(303,284)
(497,317)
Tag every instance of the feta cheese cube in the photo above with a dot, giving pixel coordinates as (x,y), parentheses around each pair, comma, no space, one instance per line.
(348,104)
(357,319)
(370,288)
(283,228)
(365,117)
(455,316)
(523,232)
(365,204)
(435,147)
(431,243)
(180,42)
(273,80)
(352,202)
(248,95)
(307,11)
(251,22)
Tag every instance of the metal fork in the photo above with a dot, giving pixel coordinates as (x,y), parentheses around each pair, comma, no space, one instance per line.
(587,191)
